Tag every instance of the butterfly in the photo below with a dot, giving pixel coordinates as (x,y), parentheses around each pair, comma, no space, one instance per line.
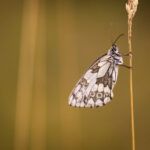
(95,87)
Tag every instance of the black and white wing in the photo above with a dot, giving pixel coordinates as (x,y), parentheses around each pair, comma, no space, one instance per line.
(95,88)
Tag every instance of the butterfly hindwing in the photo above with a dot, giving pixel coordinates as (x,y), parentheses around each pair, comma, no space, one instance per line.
(95,87)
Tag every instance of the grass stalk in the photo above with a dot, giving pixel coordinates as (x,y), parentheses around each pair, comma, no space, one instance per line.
(131,8)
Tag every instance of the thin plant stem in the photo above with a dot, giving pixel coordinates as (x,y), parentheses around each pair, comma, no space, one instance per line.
(131,8)
(131,85)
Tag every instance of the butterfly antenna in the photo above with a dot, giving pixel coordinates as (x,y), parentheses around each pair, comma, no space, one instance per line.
(117,38)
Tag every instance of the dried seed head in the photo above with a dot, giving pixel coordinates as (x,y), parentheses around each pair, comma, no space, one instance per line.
(131,8)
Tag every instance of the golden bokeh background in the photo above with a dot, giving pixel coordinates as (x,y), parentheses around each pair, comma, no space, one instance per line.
(45,47)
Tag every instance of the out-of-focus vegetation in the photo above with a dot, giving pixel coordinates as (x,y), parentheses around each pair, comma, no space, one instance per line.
(45,47)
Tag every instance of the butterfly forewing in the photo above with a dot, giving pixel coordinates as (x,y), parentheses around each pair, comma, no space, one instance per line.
(95,87)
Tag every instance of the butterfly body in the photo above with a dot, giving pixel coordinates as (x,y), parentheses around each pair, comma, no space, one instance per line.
(95,88)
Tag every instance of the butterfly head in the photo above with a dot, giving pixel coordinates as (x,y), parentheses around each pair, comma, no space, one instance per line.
(114,53)
(114,50)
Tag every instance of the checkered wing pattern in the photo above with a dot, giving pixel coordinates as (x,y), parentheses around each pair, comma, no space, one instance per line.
(95,88)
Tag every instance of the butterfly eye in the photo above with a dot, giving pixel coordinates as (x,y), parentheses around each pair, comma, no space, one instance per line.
(114,49)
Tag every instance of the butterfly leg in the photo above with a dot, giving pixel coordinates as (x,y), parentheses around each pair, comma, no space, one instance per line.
(128,54)
(126,66)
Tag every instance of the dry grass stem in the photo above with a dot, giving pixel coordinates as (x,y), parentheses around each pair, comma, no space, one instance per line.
(131,8)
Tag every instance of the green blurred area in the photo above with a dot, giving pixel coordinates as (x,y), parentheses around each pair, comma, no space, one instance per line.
(70,35)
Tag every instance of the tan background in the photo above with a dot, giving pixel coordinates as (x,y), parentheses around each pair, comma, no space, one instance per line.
(45,46)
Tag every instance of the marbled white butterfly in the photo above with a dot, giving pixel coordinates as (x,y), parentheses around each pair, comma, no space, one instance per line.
(95,88)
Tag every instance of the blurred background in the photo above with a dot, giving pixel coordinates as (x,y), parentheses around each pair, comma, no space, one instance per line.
(45,46)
